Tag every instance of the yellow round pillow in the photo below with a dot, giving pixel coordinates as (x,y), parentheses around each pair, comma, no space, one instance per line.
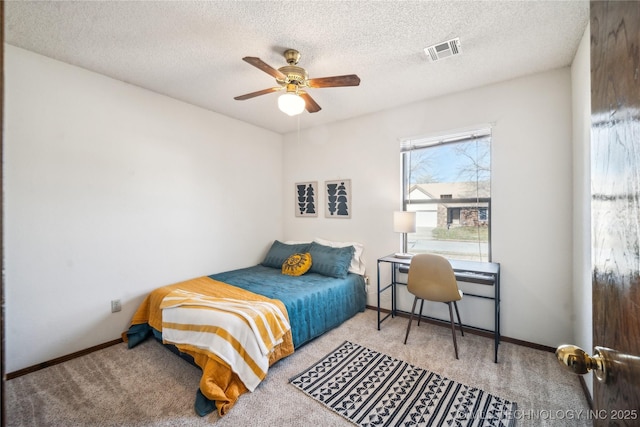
(297,264)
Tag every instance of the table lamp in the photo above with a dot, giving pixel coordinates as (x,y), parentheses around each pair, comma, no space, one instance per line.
(404,222)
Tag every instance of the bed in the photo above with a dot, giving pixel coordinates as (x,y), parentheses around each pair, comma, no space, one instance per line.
(313,299)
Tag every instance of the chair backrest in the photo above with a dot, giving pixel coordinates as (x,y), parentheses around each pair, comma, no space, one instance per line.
(431,277)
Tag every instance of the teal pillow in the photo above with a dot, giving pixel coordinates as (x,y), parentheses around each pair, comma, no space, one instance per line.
(279,252)
(328,261)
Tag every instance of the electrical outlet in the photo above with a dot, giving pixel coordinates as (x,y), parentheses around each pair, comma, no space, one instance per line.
(115,305)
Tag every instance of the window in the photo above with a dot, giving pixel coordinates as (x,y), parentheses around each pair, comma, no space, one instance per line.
(447,182)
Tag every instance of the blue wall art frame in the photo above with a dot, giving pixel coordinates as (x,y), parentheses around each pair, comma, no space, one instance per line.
(338,198)
(306,202)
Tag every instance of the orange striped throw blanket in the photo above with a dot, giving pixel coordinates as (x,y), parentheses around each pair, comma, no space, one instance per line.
(241,333)
(221,379)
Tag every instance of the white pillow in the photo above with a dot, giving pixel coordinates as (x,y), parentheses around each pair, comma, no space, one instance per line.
(357,262)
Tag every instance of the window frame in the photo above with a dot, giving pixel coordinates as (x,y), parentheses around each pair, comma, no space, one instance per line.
(409,145)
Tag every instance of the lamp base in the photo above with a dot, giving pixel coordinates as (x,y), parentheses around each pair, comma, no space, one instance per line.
(403,255)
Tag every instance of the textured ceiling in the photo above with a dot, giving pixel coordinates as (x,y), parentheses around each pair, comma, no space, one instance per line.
(192,51)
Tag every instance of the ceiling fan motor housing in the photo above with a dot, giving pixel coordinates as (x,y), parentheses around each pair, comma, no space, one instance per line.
(295,75)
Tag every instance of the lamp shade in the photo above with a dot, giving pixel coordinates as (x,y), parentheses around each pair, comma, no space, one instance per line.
(404,222)
(291,104)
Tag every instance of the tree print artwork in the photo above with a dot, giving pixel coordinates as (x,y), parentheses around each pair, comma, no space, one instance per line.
(338,199)
(306,199)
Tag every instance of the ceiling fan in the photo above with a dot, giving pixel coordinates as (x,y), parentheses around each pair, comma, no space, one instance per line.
(294,80)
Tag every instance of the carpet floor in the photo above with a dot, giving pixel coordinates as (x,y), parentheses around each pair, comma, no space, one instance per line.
(150,386)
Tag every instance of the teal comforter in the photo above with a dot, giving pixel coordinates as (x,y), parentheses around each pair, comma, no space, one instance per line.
(315,303)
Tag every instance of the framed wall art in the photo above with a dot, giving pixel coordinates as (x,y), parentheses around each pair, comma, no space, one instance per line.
(306,194)
(338,198)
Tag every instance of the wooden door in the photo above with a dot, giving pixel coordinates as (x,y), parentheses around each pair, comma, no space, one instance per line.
(615,205)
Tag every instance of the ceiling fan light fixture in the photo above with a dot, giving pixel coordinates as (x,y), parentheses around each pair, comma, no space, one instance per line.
(291,104)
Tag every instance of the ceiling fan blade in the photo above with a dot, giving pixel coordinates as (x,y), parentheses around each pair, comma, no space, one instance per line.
(311,105)
(335,81)
(259,63)
(258,93)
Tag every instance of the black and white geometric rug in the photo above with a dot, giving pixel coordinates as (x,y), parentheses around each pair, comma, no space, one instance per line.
(372,389)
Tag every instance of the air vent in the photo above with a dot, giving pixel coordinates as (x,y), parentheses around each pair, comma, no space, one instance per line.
(443,50)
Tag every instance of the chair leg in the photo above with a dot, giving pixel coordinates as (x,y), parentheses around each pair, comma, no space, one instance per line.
(453,330)
(421,305)
(415,300)
(458,314)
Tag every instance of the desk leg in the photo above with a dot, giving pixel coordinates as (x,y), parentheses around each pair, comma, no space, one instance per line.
(393,290)
(496,332)
(378,295)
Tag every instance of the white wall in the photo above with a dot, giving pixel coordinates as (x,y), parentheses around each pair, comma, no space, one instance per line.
(531,189)
(582,292)
(111,191)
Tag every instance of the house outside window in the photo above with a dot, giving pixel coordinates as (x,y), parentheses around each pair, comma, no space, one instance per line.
(447,182)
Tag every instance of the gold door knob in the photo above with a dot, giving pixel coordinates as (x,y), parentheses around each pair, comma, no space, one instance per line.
(574,359)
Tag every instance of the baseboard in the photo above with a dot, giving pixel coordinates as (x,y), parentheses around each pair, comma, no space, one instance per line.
(62,359)
(475,331)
